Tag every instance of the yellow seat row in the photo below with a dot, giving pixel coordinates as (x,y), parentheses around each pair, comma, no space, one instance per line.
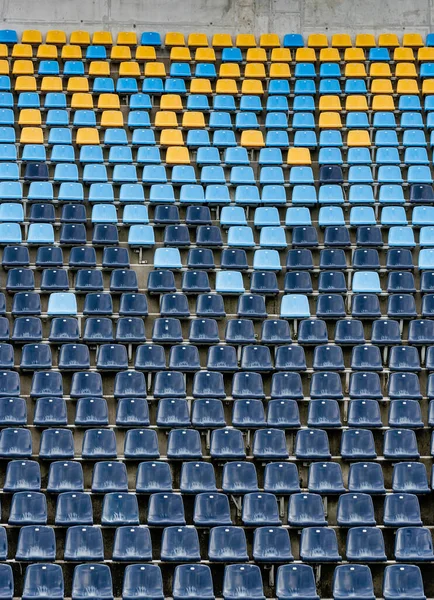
(81,38)
(33,117)
(365,40)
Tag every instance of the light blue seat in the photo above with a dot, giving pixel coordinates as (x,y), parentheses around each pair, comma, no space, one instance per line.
(127,85)
(401,237)
(250,103)
(273,195)
(329,70)
(11,190)
(270,156)
(413,137)
(279,139)
(72,192)
(240,237)
(9,171)
(208,156)
(330,156)
(304,195)
(301,175)
(422,215)
(138,118)
(141,236)
(5,83)
(236,156)
(180,70)
(303,103)
(101,192)
(266,260)
(135,213)
(303,87)
(220,120)
(10,233)
(60,135)
(96,53)
(247,195)
(29,100)
(40,233)
(34,152)
(120,154)
(212,175)
(218,194)
(229,282)
(197,102)
(384,120)
(386,137)
(329,86)
(279,87)
(391,194)
(297,216)
(330,138)
(154,174)
(61,153)
(148,155)
(133,192)
(95,173)
(167,258)
(246,120)
(303,120)
(366,282)
(230,216)
(271,175)
(243,176)
(206,70)
(393,215)
(362,215)
(273,237)
(426,236)
(387,156)
(331,194)
(65,172)
(294,306)
(55,100)
(389,174)
(6,116)
(90,154)
(7,135)
(197,138)
(357,120)
(359,156)
(140,102)
(412,120)
(224,102)
(305,70)
(124,174)
(117,137)
(73,68)
(278,104)
(192,194)
(416,156)
(153,85)
(11,212)
(102,85)
(7,99)
(419,174)
(426,259)
(266,217)
(409,102)
(143,137)
(361,194)
(360,174)
(331,216)
(62,304)
(104,213)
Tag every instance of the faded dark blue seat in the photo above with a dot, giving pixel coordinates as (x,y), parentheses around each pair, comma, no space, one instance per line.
(239,331)
(142,581)
(153,477)
(56,443)
(180,544)
(353,581)
(319,544)
(208,413)
(93,582)
(366,478)
(283,414)
(167,331)
(65,476)
(150,357)
(402,581)
(242,582)
(402,510)
(227,544)
(197,477)
(50,411)
(169,384)
(355,509)
(357,444)
(15,443)
(132,543)
(166,509)
(312,331)
(84,544)
(91,412)
(84,383)
(365,544)
(184,358)
(227,443)
(325,478)
(364,413)
(366,358)
(413,544)
(173,412)
(99,443)
(328,358)
(400,444)
(324,413)
(405,413)
(410,478)
(36,543)
(74,508)
(286,385)
(41,581)
(27,329)
(326,384)
(312,444)
(208,384)
(184,444)
(290,358)
(330,306)
(247,385)
(305,510)
(192,582)
(28,508)
(141,443)
(272,545)
(365,385)
(296,582)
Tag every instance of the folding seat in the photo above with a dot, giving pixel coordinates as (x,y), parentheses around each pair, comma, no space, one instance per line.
(28,508)
(324,413)
(15,443)
(180,544)
(99,443)
(325,478)
(120,509)
(92,577)
(328,358)
(369,236)
(366,478)
(365,385)
(404,385)
(326,384)
(357,444)
(270,443)
(312,444)
(36,543)
(184,444)
(400,443)
(98,330)
(173,412)
(132,543)
(385,332)
(91,411)
(27,329)
(74,508)
(130,329)
(82,257)
(405,413)
(166,509)
(193,581)
(241,582)
(365,544)
(402,510)
(6,356)
(112,357)
(353,581)
(296,582)
(9,383)
(247,385)
(65,476)
(364,413)
(142,580)
(38,577)
(56,443)
(153,477)
(403,580)
(355,510)
(22,475)
(319,544)
(36,356)
(227,544)
(413,544)
(410,478)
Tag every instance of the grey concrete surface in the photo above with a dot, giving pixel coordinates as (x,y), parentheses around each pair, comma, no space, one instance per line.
(211,16)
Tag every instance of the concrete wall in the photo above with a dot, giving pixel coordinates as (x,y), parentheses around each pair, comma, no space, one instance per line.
(258,16)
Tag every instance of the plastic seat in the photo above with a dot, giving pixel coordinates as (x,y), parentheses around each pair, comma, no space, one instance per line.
(296,582)
(132,543)
(365,544)
(413,544)
(242,582)
(403,580)
(353,581)
(355,510)
(41,580)
(366,478)
(74,508)
(402,510)
(319,544)
(93,577)
(325,478)
(22,475)
(28,508)
(192,582)
(357,444)
(227,544)
(36,543)
(142,581)
(65,476)
(180,543)
(312,443)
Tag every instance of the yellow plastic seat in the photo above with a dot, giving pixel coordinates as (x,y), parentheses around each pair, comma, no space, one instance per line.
(177,155)
(109,101)
(197,40)
(146,53)
(231,70)
(52,84)
(31,135)
(25,83)
(405,54)
(365,40)
(204,55)
(425,54)
(405,69)
(99,68)
(224,86)
(412,40)
(200,86)
(341,40)
(31,36)
(330,120)
(130,69)
(354,55)
(254,71)
(245,40)
(165,118)
(30,116)
(305,55)
(80,100)
(72,52)
(112,118)
(269,40)
(56,37)
(127,38)
(356,102)
(171,137)
(298,156)
(355,69)
(171,102)
(317,40)
(381,69)
(252,139)
(252,86)
(388,40)
(256,55)
(23,67)
(121,53)
(358,137)
(174,38)
(330,103)
(22,51)
(102,38)
(407,86)
(329,55)
(279,71)
(381,86)
(281,55)
(155,69)
(47,51)
(221,40)
(428,87)
(180,54)
(78,84)
(193,120)
(4,67)
(3,51)
(383,103)
(79,38)
(87,136)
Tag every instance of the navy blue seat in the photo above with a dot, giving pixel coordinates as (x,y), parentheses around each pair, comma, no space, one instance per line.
(227,544)
(84,383)
(26,303)
(200,258)
(211,509)
(180,544)
(167,331)
(91,411)
(15,443)
(402,510)
(296,582)
(401,581)
(192,582)
(358,444)
(325,478)
(28,508)
(166,509)
(272,545)
(319,544)
(298,282)
(210,305)
(142,581)
(141,443)
(364,413)
(312,444)
(41,581)
(197,477)
(92,577)
(153,477)
(169,384)
(326,384)
(227,443)
(405,413)
(242,582)
(84,544)
(312,331)
(248,413)
(328,358)
(74,508)
(413,544)
(365,544)
(173,412)
(247,385)
(132,543)
(410,477)
(64,329)
(366,478)
(130,329)
(82,257)
(36,543)
(112,357)
(355,509)
(27,329)
(365,385)
(65,476)
(56,443)
(184,444)
(324,413)
(99,443)
(353,581)
(404,385)
(208,384)
(208,413)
